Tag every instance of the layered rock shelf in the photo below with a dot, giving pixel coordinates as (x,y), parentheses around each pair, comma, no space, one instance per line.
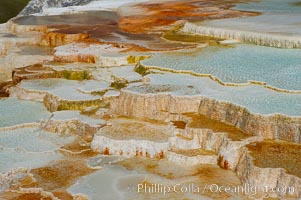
(264,39)
(57,100)
(158,106)
(102,55)
(251,173)
(132,137)
(72,122)
(192,157)
(194,146)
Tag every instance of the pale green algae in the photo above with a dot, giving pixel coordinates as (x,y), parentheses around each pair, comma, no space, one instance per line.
(254,97)
(14,111)
(30,148)
(280,68)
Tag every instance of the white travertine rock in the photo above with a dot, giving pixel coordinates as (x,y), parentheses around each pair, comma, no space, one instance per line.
(230,154)
(72,122)
(103,55)
(191,160)
(159,106)
(206,138)
(228,41)
(130,147)
(194,138)
(58,7)
(264,39)
(230,151)
(153,106)
(99,54)
(128,136)
(269,126)
(57,94)
(181,143)
(3,48)
(24,94)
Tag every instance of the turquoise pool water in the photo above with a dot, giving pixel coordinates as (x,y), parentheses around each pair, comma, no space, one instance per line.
(63,88)
(280,68)
(29,148)
(109,183)
(14,111)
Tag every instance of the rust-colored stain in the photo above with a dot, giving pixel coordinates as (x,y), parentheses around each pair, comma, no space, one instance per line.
(179,124)
(142,31)
(60,174)
(159,16)
(161,155)
(54,178)
(95,34)
(63,195)
(224,164)
(184,137)
(147,155)
(220,161)
(209,174)
(31,196)
(58,39)
(106,151)
(75,58)
(4,88)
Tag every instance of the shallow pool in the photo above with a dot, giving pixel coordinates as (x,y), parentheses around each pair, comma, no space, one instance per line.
(241,63)
(255,98)
(29,148)
(14,112)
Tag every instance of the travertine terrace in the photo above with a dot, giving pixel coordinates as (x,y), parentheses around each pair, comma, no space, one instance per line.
(96,98)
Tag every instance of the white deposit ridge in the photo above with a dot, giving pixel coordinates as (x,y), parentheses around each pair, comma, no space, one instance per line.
(52,7)
(277,26)
(264,39)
